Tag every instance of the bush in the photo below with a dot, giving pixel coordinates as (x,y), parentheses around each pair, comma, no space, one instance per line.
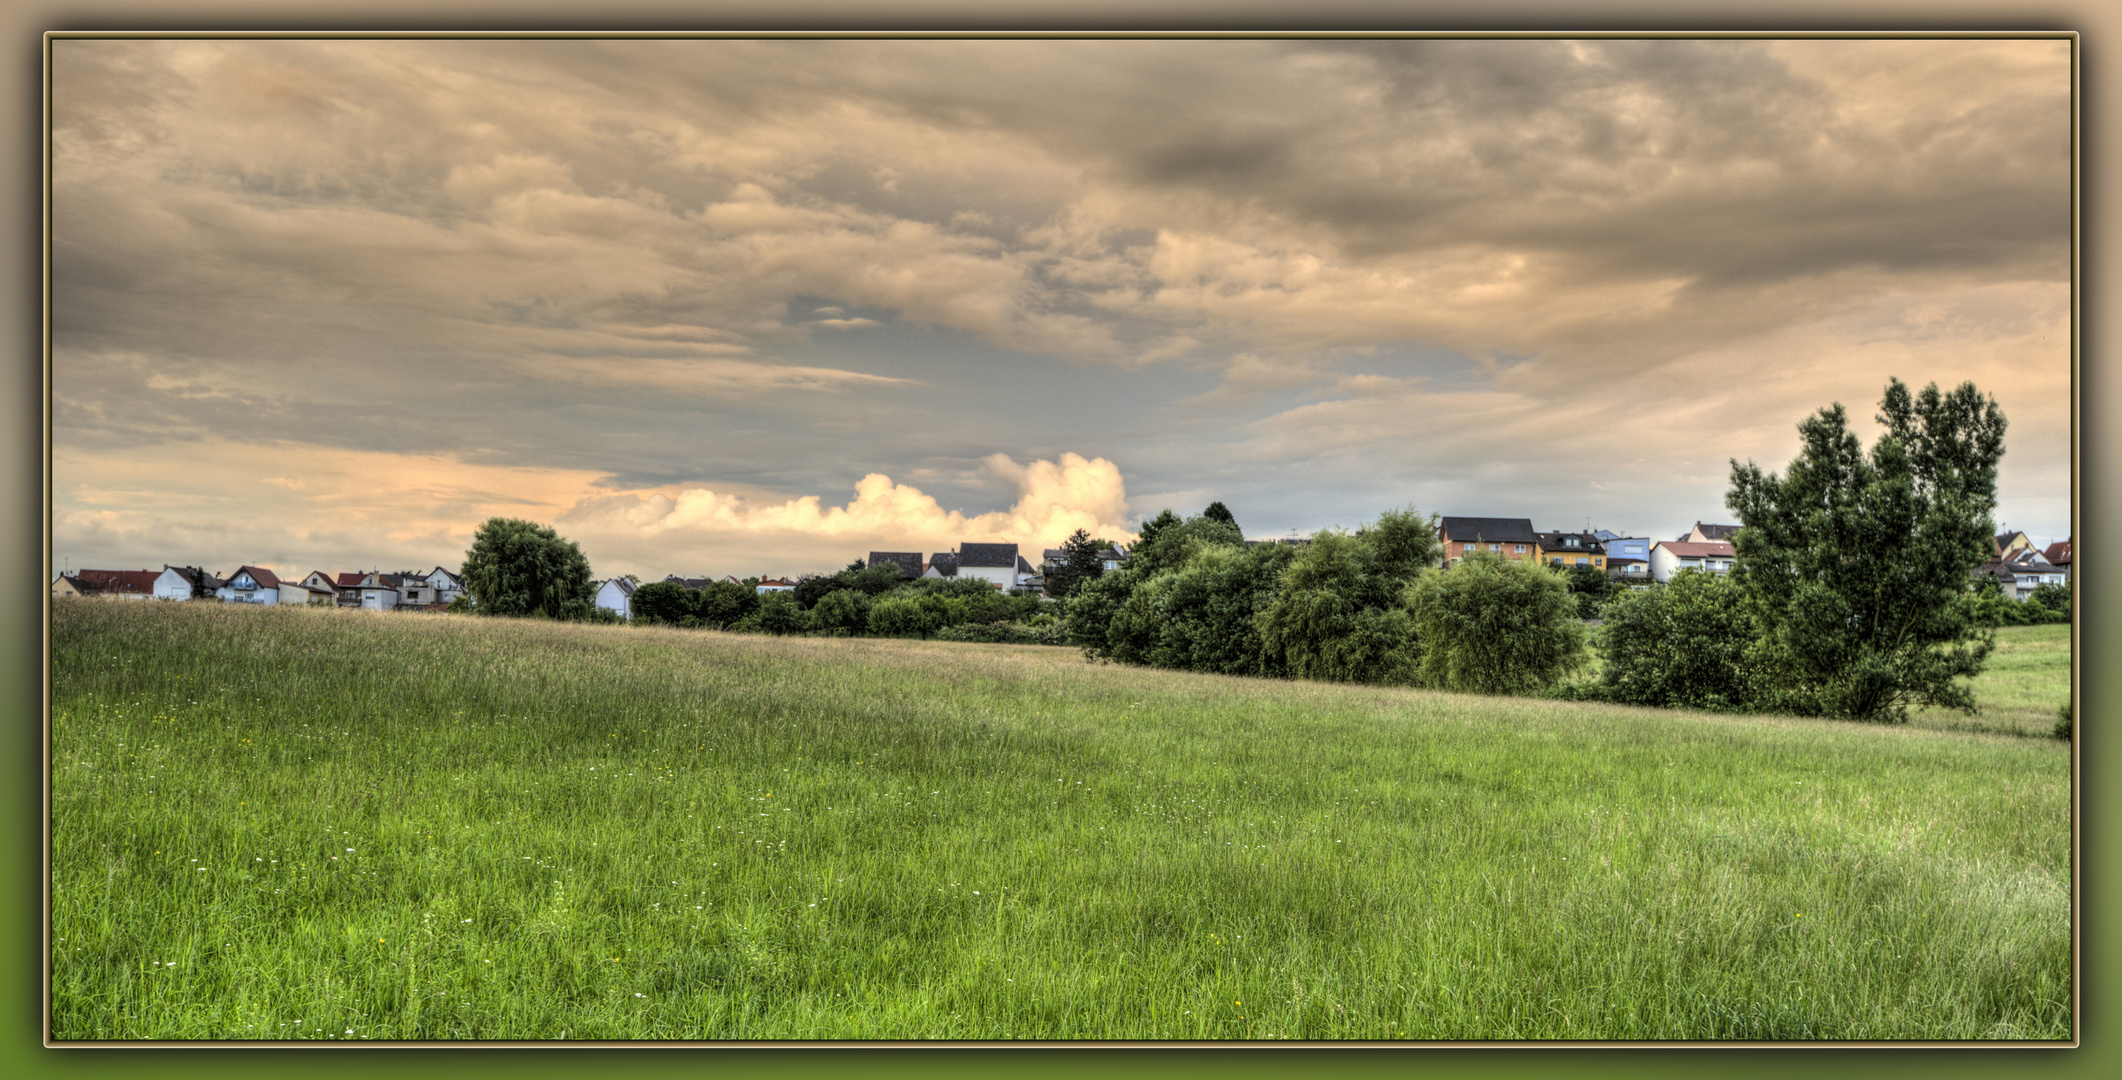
(1495,626)
(778,613)
(665,602)
(2064,722)
(1339,614)
(1686,644)
(842,612)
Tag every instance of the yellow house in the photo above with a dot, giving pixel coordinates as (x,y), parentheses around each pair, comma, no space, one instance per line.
(1572,549)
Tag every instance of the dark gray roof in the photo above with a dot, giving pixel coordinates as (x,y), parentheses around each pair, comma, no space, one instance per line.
(1024,567)
(1502,530)
(908,562)
(1715,532)
(998,555)
(1559,541)
(944,563)
(691,582)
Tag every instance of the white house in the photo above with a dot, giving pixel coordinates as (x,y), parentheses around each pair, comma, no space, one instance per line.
(250,585)
(366,591)
(1669,557)
(997,564)
(303,592)
(774,584)
(441,586)
(175,582)
(617,595)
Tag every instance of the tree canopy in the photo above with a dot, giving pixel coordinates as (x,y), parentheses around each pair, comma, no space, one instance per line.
(1856,566)
(518,567)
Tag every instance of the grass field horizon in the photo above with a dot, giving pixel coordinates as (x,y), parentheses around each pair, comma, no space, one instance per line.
(313,824)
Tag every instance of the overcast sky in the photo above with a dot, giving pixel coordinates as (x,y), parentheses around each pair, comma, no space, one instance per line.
(762,307)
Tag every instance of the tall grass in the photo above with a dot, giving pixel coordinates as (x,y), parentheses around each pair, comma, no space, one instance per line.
(296,824)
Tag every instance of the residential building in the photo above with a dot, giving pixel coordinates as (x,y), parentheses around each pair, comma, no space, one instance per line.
(250,585)
(2058,555)
(1568,549)
(175,582)
(117,584)
(775,584)
(1669,557)
(1709,534)
(1512,538)
(942,564)
(301,593)
(1109,558)
(908,562)
(1627,557)
(2010,541)
(367,591)
(996,564)
(617,595)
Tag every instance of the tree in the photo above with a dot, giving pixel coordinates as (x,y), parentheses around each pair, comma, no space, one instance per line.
(842,611)
(518,567)
(1856,566)
(1079,565)
(665,602)
(1218,512)
(778,613)
(1340,613)
(1491,625)
(724,603)
(1206,612)
(1684,644)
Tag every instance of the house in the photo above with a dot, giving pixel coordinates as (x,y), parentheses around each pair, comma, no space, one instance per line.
(775,584)
(1669,557)
(617,595)
(250,585)
(313,589)
(119,584)
(2008,542)
(942,564)
(908,562)
(445,585)
(1626,556)
(1512,538)
(1709,534)
(175,582)
(2058,555)
(368,591)
(1572,549)
(418,591)
(2022,571)
(1109,558)
(996,564)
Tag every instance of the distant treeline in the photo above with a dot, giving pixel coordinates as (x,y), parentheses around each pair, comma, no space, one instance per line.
(860,600)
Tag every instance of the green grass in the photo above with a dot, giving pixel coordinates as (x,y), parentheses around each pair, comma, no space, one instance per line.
(2026,680)
(294,824)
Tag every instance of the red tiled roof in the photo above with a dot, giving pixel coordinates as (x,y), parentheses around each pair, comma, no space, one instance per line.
(118,582)
(2058,553)
(266,579)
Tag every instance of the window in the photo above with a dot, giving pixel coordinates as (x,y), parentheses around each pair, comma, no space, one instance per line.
(1556,561)
(1582,561)
(1518,549)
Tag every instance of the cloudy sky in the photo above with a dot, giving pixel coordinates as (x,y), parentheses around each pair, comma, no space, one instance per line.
(762,307)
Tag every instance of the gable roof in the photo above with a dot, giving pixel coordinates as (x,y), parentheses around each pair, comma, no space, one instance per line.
(1506,530)
(986,555)
(944,564)
(908,562)
(2058,553)
(626,588)
(1024,567)
(1712,532)
(1558,541)
(266,579)
(1714,549)
(116,582)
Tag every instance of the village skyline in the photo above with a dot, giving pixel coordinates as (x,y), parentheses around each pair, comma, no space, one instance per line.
(743,308)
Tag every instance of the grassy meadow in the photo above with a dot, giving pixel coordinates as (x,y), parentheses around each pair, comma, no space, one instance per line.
(324,825)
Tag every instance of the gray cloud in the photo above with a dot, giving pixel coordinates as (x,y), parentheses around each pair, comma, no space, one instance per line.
(688,262)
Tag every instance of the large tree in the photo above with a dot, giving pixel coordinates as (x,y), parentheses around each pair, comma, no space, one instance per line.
(1856,566)
(518,567)
(1080,565)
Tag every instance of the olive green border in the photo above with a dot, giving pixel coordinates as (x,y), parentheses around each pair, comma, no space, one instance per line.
(23,541)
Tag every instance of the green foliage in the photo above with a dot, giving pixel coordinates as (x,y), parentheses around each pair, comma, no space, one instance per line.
(665,602)
(726,603)
(1092,608)
(1589,581)
(1171,541)
(1856,567)
(1204,614)
(779,614)
(1682,644)
(1491,625)
(2052,597)
(902,615)
(2066,723)
(840,612)
(1340,614)
(1218,512)
(1079,565)
(600,614)
(518,567)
